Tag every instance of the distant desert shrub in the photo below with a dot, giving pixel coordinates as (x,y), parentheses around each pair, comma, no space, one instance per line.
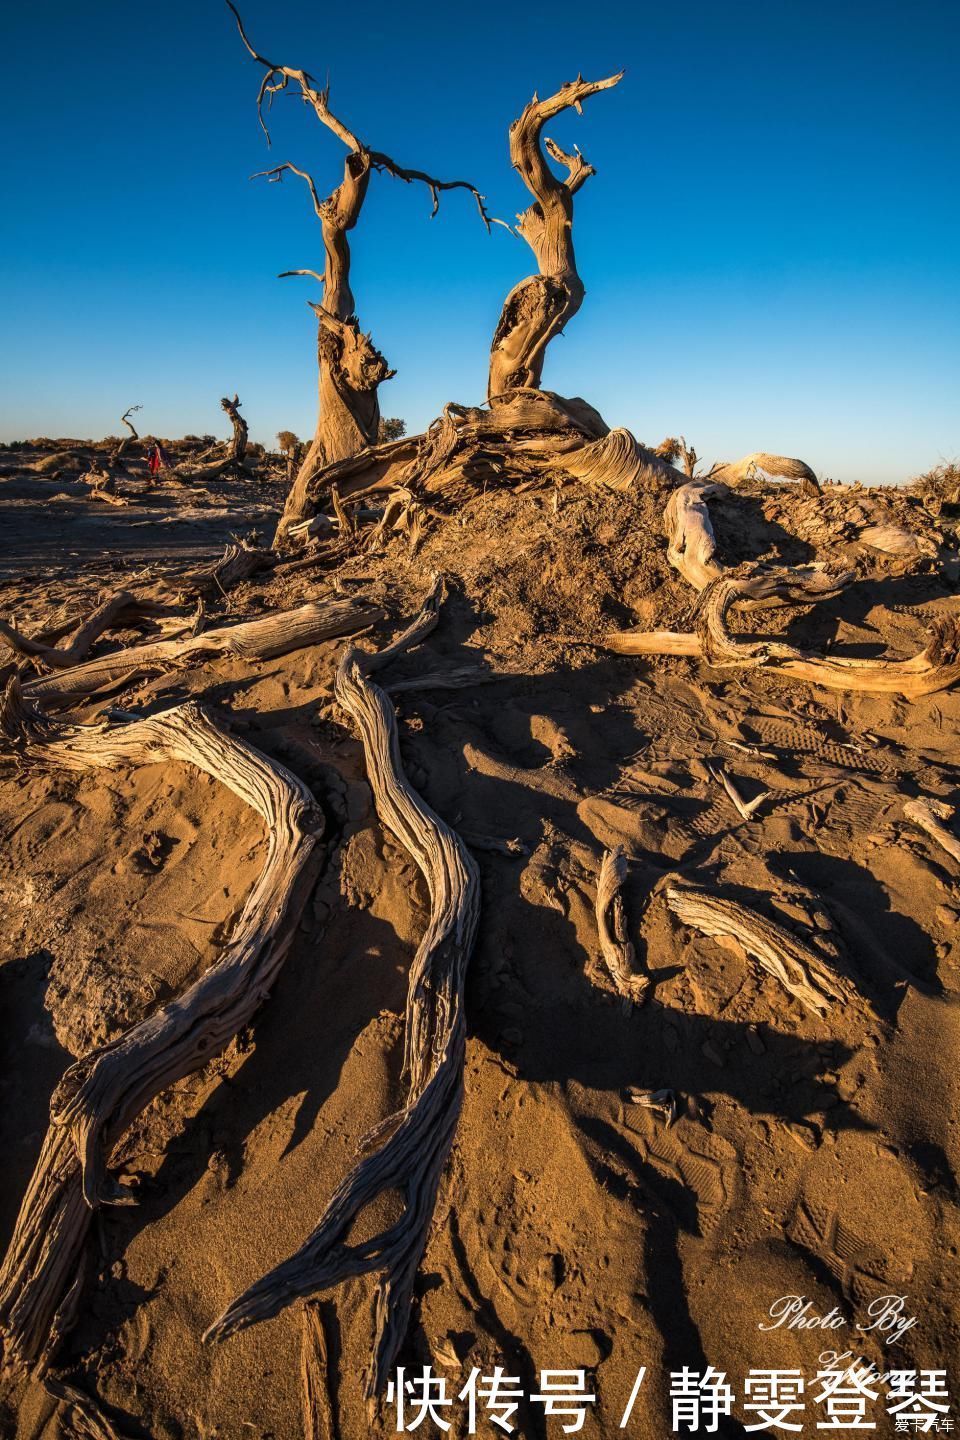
(391,427)
(941,483)
(287,442)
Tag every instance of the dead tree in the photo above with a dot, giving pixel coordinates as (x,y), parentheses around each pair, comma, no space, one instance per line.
(117,458)
(350,366)
(538,308)
(234,458)
(238,444)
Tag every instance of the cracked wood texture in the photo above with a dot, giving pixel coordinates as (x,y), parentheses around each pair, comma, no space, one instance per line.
(415,1142)
(100,1094)
(275,634)
(539,307)
(799,970)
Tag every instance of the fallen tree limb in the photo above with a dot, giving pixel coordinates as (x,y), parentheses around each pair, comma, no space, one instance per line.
(936,667)
(617,950)
(263,639)
(415,1142)
(102,1093)
(98,622)
(782,955)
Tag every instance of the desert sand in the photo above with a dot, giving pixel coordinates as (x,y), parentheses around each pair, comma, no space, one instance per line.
(807,1140)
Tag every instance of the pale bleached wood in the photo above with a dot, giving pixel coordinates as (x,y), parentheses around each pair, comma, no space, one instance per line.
(933,816)
(415,1142)
(101,1093)
(936,667)
(262,639)
(798,968)
(616,947)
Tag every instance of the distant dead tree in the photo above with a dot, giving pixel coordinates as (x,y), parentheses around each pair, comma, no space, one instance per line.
(351,368)
(117,458)
(234,458)
(538,308)
(238,444)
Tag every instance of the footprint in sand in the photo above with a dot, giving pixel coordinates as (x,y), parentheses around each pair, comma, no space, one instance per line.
(857,1212)
(703,1162)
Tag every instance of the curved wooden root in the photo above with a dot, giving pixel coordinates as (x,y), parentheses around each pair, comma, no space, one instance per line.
(101,1094)
(796,966)
(263,639)
(754,466)
(618,461)
(936,667)
(414,1143)
(932,817)
(615,946)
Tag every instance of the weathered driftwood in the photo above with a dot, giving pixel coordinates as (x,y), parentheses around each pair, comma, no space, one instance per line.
(617,949)
(316,1404)
(746,809)
(691,543)
(936,667)
(101,1093)
(798,968)
(933,817)
(415,1142)
(263,639)
(539,307)
(755,465)
(102,618)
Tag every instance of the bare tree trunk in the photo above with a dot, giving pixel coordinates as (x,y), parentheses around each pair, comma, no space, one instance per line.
(238,445)
(538,308)
(117,458)
(351,368)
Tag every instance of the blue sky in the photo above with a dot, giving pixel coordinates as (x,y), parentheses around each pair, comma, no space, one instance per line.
(770,246)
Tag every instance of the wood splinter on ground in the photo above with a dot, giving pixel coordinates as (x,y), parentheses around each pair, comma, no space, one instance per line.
(415,1142)
(932,816)
(618,951)
(781,954)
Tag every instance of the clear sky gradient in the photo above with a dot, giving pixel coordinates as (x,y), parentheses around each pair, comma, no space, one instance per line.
(770,246)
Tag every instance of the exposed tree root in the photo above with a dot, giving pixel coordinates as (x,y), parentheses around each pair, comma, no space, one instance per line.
(415,1142)
(275,634)
(101,1094)
(617,949)
(691,543)
(692,551)
(753,466)
(936,667)
(781,954)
